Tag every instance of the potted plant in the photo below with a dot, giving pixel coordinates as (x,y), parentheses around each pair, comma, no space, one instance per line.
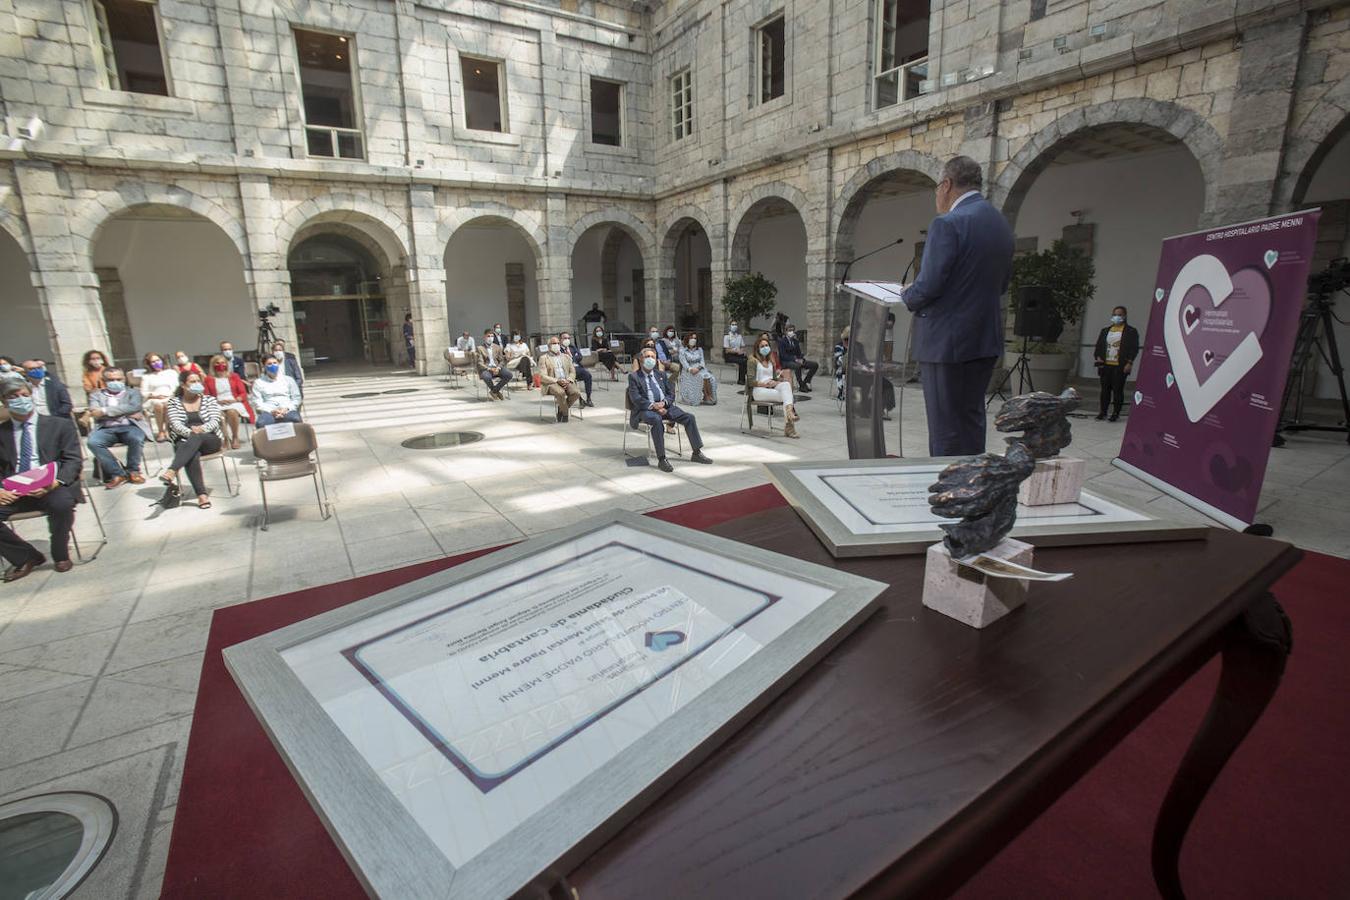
(747,297)
(1069,273)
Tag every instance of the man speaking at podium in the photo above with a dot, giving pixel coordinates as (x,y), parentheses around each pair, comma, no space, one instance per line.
(958,323)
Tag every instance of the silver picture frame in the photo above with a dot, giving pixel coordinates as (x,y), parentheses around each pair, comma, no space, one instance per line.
(827,512)
(388,849)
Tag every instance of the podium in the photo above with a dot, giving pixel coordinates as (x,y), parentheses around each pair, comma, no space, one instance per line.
(865,379)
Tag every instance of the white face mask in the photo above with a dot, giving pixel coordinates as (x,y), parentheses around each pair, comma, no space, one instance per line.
(734,329)
(792,334)
(567,342)
(670,334)
(693,342)
(652,335)
(552,348)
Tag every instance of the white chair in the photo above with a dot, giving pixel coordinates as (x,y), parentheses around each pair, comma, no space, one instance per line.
(645,429)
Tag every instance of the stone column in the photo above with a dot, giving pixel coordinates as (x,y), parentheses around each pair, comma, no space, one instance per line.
(265,272)
(112,298)
(426,281)
(554,281)
(718,239)
(820,278)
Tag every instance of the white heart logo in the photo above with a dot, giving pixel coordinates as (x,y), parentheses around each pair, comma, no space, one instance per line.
(1272,257)
(1190,318)
(1170,380)
(1209,273)
(1138,397)
(1158,295)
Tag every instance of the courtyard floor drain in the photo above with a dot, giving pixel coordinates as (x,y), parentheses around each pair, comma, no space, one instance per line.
(442,439)
(401,391)
(361,396)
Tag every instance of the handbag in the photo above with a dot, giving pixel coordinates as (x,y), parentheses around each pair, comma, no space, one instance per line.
(172,497)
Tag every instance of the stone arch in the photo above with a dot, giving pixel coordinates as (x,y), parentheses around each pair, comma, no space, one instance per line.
(1312,138)
(359,212)
(133,195)
(523,222)
(762,198)
(679,219)
(14,227)
(1198,136)
(854,195)
(636,228)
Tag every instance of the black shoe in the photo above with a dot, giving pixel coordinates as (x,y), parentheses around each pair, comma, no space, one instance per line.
(1115,417)
(1101,416)
(557,416)
(587,402)
(562,417)
(805,389)
(698,457)
(664,465)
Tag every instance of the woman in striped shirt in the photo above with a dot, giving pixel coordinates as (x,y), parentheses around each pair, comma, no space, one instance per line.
(194,425)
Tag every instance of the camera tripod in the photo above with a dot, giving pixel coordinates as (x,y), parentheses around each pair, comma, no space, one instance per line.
(1021,368)
(266,336)
(1316,331)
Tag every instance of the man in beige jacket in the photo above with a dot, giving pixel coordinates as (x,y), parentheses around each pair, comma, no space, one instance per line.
(558,377)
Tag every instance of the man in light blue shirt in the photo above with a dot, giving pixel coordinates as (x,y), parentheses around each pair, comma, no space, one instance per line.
(275,395)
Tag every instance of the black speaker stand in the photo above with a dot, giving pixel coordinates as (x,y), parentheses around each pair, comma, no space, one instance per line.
(1022,368)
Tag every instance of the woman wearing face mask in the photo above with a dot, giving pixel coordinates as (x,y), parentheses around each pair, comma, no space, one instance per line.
(696,383)
(93,364)
(518,360)
(772,382)
(733,351)
(194,423)
(158,384)
(600,346)
(668,351)
(183,363)
(231,393)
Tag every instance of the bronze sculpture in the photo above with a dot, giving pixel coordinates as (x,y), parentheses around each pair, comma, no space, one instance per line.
(1041,417)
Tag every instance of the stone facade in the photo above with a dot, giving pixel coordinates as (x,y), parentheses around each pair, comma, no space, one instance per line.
(1256,91)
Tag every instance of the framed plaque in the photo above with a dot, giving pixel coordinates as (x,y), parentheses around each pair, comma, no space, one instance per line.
(478,732)
(879,507)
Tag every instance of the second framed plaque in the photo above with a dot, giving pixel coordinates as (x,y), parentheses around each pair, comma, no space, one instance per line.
(879,507)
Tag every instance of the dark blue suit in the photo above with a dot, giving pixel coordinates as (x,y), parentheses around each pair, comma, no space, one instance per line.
(640,399)
(958,320)
(237,366)
(583,373)
(291,367)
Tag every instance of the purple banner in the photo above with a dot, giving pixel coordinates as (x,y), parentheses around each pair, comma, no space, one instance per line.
(1214,360)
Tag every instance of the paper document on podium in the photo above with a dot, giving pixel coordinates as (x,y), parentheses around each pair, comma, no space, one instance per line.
(880,291)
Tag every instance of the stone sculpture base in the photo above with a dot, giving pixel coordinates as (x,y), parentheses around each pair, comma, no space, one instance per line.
(970,596)
(1058,480)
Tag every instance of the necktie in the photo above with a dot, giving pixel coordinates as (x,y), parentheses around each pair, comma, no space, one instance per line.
(652,388)
(26,460)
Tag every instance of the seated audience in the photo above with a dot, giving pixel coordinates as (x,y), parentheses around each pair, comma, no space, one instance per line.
(791,358)
(840,357)
(194,424)
(93,364)
(231,392)
(10,373)
(183,363)
(600,346)
(696,382)
(647,344)
(558,377)
(465,342)
(49,393)
(118,418)
(733,350)
(668,351)
(275,396)
(772,382)
(29,440)
(651,401)
(158,384)
(519,361)
(492,365)
(583,374)
(861,363)
(236,361)
(289,364)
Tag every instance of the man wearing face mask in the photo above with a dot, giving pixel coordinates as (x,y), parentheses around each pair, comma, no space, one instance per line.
(118,419)
(651,401)
(50,395)
(958,320)
(570,348)
(557,377)
(275,396)
(465,342)
(791,357)
(236,362)
(492,365)
(733,350)
(1117,347)
(289,364)
(29,440)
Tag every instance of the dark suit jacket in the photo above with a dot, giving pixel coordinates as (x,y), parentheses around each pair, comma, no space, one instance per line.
(237,367)
(575,352)
(789,351)
(1129,344)
(967,262)
(640,399)
(292,368)
(58,398)
(58,442)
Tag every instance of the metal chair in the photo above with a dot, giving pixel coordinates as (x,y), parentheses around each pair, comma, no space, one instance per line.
(543,390)
(459,364)
(233,489)
(291,457)
(645,429)
(748,414)
(591,360)
(82,496)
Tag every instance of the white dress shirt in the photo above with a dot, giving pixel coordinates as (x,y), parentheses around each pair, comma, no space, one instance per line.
(962,197)
(40,396)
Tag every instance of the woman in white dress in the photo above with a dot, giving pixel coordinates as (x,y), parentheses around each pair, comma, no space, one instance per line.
(772,382)
(696,383)
(158,384)
(518,360)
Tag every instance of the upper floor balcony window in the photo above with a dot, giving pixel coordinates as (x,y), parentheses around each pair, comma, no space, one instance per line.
(606,112)
(682,104)
(771,59)
(332,126)
(483,107)
(901,51)
(128,46)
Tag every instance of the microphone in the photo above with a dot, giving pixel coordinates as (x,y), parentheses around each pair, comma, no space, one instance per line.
(904,278)
(865,255)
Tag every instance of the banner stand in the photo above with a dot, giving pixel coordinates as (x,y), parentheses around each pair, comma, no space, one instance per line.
(1195,503)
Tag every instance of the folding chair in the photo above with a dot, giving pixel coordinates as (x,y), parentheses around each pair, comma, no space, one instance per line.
(748,415)
(459,364)
(591,361)
(282,459)
(225,462)
(82,496)
(645,429)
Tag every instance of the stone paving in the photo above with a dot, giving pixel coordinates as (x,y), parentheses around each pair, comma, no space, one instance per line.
(99,667)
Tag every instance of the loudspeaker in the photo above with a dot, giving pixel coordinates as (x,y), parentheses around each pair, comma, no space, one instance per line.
(1033,312)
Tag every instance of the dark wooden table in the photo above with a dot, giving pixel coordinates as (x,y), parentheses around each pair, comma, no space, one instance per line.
(920,747)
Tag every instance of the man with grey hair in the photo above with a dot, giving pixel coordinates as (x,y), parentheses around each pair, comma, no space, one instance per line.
(958,318)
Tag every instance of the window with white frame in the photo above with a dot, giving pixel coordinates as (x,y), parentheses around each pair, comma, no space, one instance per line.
(483,107)
(128,46)
(682,104)
(901,50)
(771,59)
(606,112)
(328,91)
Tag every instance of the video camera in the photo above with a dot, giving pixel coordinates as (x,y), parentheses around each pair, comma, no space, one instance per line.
(1335,277)
(268,311)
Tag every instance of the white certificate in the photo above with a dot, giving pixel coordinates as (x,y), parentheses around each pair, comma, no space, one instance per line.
(480,703)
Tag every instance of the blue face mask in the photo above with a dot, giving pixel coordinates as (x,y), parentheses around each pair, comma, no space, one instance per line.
(20,405)
(37,374)
(228,354)
(1117,320)
(115,387)
(648,363)
(196,387)
(765,350)
(273,369)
